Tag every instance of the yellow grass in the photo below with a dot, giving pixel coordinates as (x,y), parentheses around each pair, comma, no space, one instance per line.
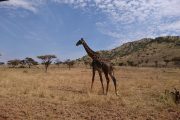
(65,94)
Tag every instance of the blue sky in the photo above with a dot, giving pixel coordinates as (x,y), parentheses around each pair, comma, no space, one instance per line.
(29,28)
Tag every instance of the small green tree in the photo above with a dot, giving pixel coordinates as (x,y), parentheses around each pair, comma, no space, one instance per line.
(46,60)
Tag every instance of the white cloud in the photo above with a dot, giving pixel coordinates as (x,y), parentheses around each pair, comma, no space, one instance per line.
(172,26)
(126,19)
(30,5)
(134,19)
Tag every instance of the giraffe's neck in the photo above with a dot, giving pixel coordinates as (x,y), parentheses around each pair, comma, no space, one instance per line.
(90,52)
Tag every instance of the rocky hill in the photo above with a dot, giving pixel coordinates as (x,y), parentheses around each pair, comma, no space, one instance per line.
(161,51)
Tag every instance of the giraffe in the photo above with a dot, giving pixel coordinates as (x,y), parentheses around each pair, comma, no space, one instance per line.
(100,65)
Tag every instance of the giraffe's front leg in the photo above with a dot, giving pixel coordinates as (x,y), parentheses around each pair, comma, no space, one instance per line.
(93,75)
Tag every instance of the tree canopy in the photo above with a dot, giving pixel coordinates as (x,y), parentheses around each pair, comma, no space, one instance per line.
(46,60)
(30,61)
(14,62)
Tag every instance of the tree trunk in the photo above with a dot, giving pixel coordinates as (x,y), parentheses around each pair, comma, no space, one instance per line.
(46,67)
(69,67)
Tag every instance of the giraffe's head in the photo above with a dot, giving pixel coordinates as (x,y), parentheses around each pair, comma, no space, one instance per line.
(80,42)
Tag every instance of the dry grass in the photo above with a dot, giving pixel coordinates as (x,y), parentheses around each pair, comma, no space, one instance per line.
(63,94)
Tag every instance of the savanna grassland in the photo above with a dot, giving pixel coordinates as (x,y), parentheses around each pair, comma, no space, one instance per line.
(28,94)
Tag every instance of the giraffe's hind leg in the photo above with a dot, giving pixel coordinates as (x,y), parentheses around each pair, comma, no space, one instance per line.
(114,81)
(107,79)
(100,75)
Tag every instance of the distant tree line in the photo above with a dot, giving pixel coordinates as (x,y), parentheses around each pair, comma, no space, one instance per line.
(157,63)
(47,60)
(27,62)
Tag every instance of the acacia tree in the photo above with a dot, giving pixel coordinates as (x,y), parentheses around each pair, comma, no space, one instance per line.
(46,60)
(2,63)
(22,63)
(14,63)
(70,63)
(30,62)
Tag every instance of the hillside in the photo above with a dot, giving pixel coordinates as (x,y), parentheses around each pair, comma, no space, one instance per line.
(160,51)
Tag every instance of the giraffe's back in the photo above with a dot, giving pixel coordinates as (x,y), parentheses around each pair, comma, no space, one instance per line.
(102,65)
